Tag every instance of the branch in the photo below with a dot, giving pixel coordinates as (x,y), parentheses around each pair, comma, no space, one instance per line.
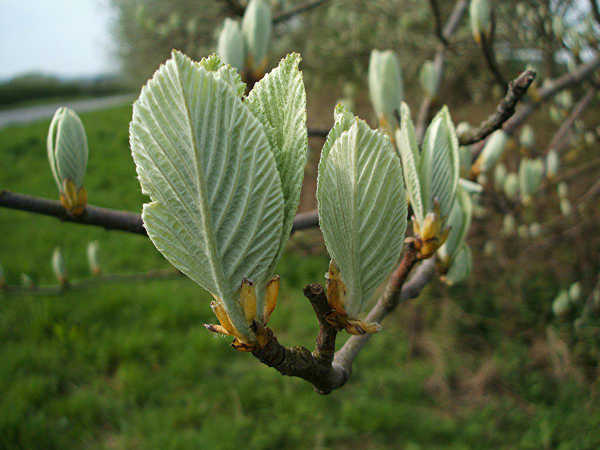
(559,140)
(109,219)
(490,59)
(322,368)
(285,15)
(435,8)
(460,8)
(313,132)
(595,10)
(317,367)
(157,274)
(235,7)
(506,108)
(385,305)
(546,93)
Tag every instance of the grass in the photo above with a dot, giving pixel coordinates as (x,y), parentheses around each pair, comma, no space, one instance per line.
(129,365)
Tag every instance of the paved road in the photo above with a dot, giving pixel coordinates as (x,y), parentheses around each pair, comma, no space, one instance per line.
(33,113)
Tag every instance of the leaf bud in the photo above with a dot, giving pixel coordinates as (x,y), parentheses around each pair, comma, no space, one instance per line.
(231,46)
(68,154)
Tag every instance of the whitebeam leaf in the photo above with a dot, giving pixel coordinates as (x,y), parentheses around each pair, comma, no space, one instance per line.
(225,72)
(460,222)
(362,209)
(408,148)
(279,101)
(203,158)
(439,164)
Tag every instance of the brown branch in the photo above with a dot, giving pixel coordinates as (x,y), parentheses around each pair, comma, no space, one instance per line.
(317,133)
(490,58)
(317,367)
(321,368)
(307,6)
(559,140)
(506,108)
(109,219)
(595,10)
(458,12)
(235,7)
(546,93)
(439,32)
(158,274)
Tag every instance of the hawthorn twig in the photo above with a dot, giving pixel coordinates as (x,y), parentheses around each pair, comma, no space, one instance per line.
(157,274)
(109,219)
(559,140)
(318,133)
(439,32)
(321,367)
(490,57)
(458,12)
(553,88)
(504,111)
(307,6)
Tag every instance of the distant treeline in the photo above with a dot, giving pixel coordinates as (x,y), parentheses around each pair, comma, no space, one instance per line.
(32,87)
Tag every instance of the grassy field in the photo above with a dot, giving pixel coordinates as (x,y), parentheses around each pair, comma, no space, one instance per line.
(129,365)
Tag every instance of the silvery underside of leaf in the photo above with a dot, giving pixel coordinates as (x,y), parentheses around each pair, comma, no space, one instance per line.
(205,161)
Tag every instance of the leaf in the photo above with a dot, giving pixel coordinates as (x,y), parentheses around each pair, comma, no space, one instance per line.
(67,147)
(461,266)
(279,103)
(225,72)
(460,222)
(343,120)
(406,142)
(362,210)
(204,159)
(439,165)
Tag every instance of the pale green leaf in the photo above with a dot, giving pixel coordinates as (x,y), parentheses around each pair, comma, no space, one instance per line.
(461,266)
(225,72)
(439,164)
(408,148)
(279,102)
(362,210)
(459,222)
(205,161)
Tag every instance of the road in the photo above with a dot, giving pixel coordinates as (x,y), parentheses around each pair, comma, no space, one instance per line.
(33,113)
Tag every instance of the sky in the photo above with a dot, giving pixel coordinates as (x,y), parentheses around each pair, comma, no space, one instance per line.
(68,38)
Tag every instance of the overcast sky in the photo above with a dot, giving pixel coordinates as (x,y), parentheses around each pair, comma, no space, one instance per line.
(63,37)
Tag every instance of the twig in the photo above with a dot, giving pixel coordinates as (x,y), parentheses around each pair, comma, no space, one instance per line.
(313,132)
(546,93)
(285,15)
(458,12)
(490,57)
(319,368)
(158,274)
(506,108)
(109,219)
(235,7)
(595,10)
(559,140)
(439,32)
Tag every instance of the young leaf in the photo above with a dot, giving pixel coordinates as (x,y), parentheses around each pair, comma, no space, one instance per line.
(205,161)
(460,222)
(225,72)
(362,210)
(279,103)
(439,164)
(408,148)
(231,46)
(461,266)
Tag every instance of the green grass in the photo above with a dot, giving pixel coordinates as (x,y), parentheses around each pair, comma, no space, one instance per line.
(130,366)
